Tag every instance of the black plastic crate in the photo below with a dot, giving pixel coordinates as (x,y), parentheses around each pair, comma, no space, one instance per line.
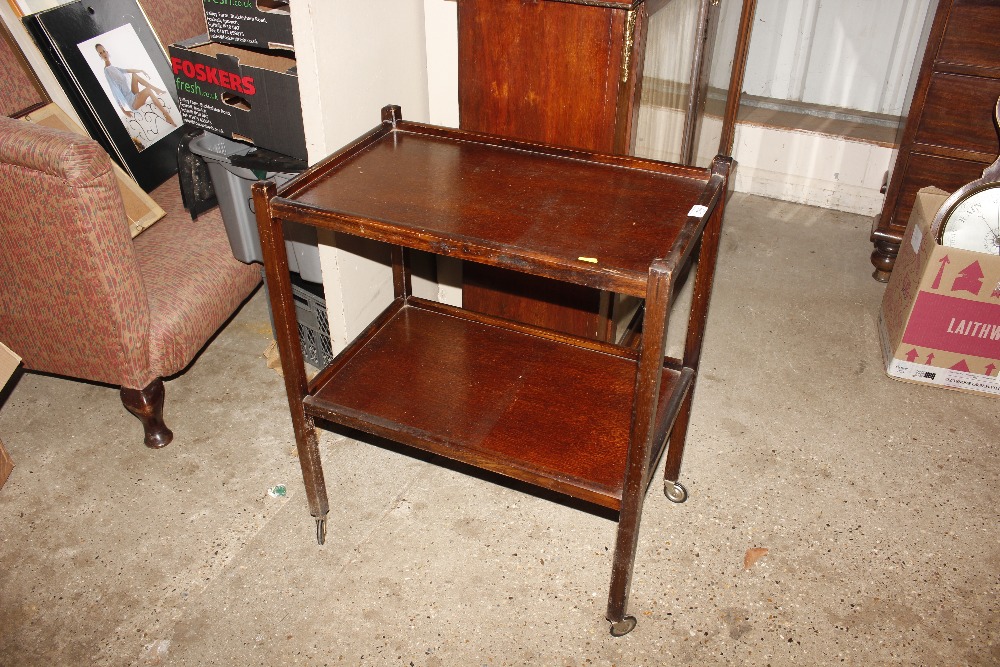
(310,315)
(314,328)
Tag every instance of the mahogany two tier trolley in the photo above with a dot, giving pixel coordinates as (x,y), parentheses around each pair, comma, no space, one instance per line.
(580,417)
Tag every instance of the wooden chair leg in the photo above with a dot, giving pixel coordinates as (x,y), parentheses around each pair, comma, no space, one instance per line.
(147,405)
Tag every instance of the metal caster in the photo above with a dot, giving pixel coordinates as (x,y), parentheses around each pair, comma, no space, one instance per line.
(321,531)
(674,491)
(623,627)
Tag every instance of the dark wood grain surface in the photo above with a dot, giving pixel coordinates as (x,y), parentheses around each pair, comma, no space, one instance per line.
(972,35)
(562,73)
(958,114)
(586,222)
(545,71)
(524,406)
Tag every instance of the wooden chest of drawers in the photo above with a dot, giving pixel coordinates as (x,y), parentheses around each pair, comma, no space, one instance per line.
(949,136)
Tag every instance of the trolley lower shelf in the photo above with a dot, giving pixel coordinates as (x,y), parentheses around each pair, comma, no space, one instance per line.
(555,413)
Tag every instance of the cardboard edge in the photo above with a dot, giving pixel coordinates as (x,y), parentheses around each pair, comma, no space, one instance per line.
(9,361)
(8,364)
(6,465)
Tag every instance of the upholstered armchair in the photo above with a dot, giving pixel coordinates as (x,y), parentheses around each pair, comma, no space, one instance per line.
(79,297)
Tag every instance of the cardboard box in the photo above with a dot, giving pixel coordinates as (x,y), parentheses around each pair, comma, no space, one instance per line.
(940,318)
(8,364)
(261,24)
(6,465)
(240,94)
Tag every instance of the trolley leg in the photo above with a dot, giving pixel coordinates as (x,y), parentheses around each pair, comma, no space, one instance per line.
(307,443)
(621,569)
(672,488)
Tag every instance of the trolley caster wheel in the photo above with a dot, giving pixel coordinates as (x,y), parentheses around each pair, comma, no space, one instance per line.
(674,491)
(623,627)
(320,531)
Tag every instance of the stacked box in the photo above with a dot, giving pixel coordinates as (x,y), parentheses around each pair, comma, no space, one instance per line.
(261,24)
(241,94)
(940,318)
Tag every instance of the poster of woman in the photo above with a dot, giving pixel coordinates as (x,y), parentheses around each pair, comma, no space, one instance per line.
(128,77)
(108,60)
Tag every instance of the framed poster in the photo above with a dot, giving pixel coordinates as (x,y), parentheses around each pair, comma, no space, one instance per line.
(114,70)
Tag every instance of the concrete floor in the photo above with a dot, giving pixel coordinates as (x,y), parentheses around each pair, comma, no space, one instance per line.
(875,499)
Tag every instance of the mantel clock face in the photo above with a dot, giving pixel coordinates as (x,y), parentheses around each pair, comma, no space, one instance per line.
(973,223)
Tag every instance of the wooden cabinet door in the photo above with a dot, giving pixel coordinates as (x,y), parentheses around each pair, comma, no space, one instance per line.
(555,72)
(569,72)
(558,73)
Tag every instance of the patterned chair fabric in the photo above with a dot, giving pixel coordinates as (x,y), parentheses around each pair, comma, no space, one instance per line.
(62,266)
(192,281)
(79,296)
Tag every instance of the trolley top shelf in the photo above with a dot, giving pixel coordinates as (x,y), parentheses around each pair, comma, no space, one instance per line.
(591,219)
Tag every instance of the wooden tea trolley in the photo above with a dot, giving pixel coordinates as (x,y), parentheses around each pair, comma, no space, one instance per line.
(581,417)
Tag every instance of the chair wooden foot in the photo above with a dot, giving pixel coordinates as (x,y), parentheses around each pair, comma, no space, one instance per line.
(147,405)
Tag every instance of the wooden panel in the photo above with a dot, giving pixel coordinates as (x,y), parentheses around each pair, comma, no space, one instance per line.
(958,113)
(924,170)
(972,36)
(543,71)
(543,302)
(558,73)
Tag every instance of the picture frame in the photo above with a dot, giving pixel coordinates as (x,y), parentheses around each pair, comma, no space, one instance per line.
(116,74)
(22,90)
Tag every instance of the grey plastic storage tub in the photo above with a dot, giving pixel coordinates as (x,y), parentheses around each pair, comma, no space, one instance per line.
(232,187)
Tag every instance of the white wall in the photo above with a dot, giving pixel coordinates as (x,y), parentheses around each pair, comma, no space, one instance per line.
(353,59)
(855,54)
(849,54)
(810,168)
(441,23)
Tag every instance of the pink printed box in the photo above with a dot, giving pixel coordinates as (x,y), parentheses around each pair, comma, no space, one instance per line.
(940,318)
